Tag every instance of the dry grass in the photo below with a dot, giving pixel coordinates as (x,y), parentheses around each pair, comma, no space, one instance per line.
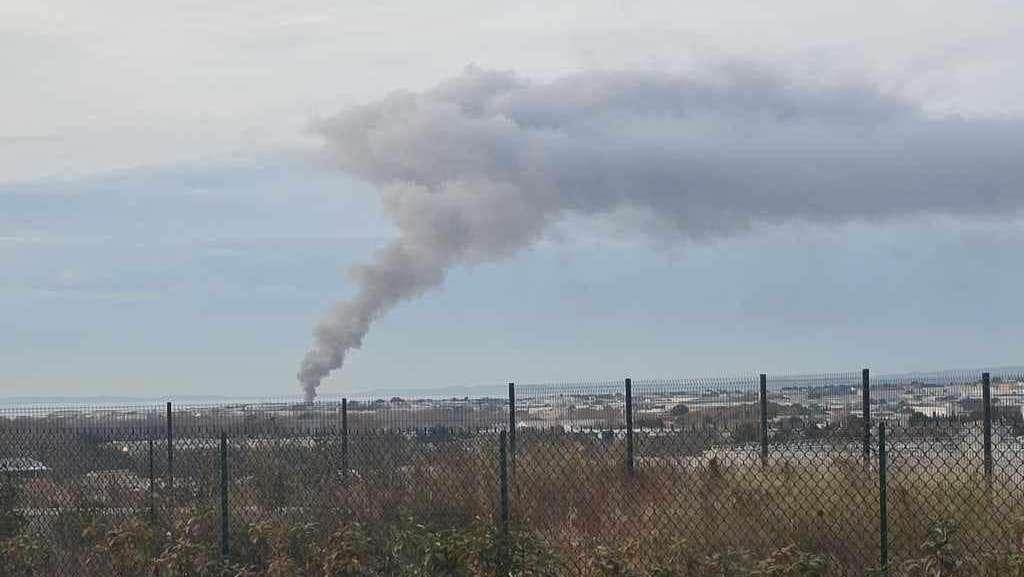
(574,492)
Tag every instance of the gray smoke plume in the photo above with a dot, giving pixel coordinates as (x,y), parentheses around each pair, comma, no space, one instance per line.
(480,166)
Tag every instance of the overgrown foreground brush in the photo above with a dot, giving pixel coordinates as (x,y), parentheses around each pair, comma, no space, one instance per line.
(405,505)
(133,548)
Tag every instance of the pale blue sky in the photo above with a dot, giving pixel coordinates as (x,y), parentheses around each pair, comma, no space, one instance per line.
(207,281)
(164,231)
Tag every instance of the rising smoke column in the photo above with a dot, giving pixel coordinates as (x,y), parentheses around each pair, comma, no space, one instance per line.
(480,166)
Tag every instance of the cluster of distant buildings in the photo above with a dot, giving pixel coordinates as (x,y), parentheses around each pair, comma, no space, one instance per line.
(830,404)
(822,405)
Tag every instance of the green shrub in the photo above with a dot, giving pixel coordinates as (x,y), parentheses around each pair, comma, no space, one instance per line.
(192,550)
(792,562)
(612,562)
(681,560)
(348,553)
(942,555)
(124,550)
(11,522)
(23,556)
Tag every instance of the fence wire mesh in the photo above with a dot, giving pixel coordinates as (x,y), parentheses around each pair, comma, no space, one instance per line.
(659,477)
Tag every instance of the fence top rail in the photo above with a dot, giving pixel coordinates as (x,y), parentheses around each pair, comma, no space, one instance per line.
(951,377)
(774,382)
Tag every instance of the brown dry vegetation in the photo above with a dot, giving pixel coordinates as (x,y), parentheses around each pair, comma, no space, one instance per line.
(426,504)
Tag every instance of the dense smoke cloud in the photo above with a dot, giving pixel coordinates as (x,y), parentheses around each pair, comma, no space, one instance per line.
(479,167)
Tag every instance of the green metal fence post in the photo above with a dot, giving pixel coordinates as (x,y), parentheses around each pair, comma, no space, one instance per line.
(170,456)
(152,484)
(344,440)
(865,378)
(630,465)
(764,419)
(512,430)
(503,480)
(986,396)
(224,549)
(883,500)
(503,504)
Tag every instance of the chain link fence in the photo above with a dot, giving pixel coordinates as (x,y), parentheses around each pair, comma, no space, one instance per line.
(627,476)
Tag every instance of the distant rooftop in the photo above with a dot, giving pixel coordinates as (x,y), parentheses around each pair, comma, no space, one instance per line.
(21,465)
